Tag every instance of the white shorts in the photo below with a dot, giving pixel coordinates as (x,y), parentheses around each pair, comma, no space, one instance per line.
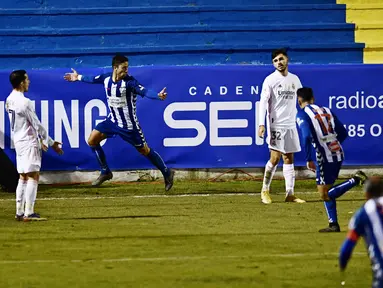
(283,140)
(29,160)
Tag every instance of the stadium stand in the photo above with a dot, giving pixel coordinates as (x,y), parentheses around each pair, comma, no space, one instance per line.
(367,16)
(52,33)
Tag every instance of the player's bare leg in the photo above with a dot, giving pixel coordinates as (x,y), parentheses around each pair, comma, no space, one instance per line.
(30,198)
(157,161)
(289,175)
(270,168)
(94,141)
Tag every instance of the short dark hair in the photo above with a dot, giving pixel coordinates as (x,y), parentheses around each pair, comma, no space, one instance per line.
(16,77)
(374,187)
(276,52)
(306,93)
(119,59)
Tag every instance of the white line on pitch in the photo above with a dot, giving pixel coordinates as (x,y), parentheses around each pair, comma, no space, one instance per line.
(182,258)
(151,196)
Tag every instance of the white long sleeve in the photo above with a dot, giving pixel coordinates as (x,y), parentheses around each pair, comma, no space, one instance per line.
(36,124)
(265,97)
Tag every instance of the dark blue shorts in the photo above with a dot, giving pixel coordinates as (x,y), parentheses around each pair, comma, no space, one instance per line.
(110,129)
(327,173)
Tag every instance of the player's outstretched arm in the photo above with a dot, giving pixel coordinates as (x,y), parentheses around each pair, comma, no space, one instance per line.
(142,91)
(74,76)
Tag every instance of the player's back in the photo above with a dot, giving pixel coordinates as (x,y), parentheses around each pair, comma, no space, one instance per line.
(283,99)
(24,135)
(325,128)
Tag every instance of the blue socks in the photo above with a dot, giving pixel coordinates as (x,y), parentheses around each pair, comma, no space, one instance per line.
(339,190)
(331,211)
(101,158)
(336,192)
(157,161)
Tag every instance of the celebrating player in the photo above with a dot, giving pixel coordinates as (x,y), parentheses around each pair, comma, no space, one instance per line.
(368,223)
(27,131)
(121,93)
(279,98)
(322,129)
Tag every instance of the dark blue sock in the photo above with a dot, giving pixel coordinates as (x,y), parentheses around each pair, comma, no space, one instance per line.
(100,155)
(331,211)
(157,161)
(342,188)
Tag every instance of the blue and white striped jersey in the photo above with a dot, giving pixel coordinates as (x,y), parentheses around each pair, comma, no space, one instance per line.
(122,98)
(321,129)
(368,223)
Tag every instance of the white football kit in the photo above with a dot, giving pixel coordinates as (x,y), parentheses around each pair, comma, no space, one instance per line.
(27,131)
(279,99)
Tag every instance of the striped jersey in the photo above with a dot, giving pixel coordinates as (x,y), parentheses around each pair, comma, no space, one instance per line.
(121,97)
(321,129)
(368,223)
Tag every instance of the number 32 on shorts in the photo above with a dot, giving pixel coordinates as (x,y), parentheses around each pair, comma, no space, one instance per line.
(276,135)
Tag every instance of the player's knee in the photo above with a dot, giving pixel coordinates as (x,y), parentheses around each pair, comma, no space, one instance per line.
(274,161)
(23,177)
(324,196)
(92,141)
(288,158)
(33,175)
(144,150)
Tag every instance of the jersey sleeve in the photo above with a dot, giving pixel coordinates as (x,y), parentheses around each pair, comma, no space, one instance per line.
(98,79)
(265,97)
(357,222)
(36,124)
(139,89)
(299,84)
(339,129)
(356,229)
(304,126)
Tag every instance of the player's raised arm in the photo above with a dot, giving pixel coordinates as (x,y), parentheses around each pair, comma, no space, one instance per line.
(142,91)
(265,96)
(74,76)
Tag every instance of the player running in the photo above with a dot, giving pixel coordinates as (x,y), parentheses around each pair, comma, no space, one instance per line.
(279,98)
(27,131)
(323,130)
(121,92)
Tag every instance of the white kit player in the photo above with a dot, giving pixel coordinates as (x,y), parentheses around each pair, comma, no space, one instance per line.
(29,137)
(279,100)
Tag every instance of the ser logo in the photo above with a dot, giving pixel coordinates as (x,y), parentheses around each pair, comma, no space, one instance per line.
(215,126)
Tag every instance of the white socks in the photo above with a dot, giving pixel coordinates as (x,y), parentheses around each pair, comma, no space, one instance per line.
(30,196)
(20,197)
(269,174)
(289,174)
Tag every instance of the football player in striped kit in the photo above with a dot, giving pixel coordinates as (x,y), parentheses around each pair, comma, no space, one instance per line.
(121,92)
(368,223)
(323,130)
